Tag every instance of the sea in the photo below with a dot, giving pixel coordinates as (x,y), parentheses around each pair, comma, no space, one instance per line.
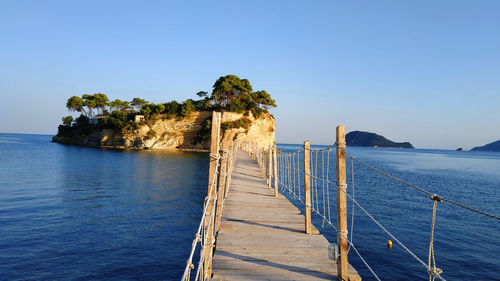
(77,213)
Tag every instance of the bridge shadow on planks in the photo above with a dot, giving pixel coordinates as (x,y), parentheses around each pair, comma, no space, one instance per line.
(264,225)
(255,193)
(290,268)
(247,175)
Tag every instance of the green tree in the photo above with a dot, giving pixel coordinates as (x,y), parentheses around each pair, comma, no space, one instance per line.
(158,108)
(101,100)
(187,108)
(262,99)
(126,106)
(151,109)
(82,121)
(145,110)
(76,104)
(138,103)
(116,104)
(171,107)
(119,105)
(118,119)
(89,102)
(229,87)
(236,106)
(67,120)
(202,94)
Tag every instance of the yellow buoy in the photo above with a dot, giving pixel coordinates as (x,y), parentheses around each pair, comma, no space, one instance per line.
(389,244)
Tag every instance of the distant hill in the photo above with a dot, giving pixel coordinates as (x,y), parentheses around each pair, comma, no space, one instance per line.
(358,138)
(494,146)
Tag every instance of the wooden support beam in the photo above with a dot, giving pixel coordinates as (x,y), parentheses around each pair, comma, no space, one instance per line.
(307,186)
(269,168)
(222,183)
(275,164)
(229,167)
(209,220)
(342,264)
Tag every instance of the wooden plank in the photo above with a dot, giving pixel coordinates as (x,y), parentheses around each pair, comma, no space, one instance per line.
(289,240)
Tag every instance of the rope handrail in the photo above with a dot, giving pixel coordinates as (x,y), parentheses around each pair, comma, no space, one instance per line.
(421,189)
(395,179)
(212,199)
(387,231)
(286,179)
(315,208)
(293,152)
(335,228)
(324,149)
(200,226)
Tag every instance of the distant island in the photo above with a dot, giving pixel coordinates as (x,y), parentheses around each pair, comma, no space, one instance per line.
(494,146)
(358,138)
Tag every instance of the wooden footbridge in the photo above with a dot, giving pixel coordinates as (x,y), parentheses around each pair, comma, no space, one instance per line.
(249,231)
(262,237)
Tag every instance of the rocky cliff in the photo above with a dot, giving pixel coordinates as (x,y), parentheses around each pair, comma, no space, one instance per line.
(174,134)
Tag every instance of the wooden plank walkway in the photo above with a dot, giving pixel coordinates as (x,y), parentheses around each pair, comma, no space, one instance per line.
(263,238)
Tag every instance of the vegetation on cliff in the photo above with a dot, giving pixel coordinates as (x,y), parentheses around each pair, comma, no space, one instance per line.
(358,138)
(229,93)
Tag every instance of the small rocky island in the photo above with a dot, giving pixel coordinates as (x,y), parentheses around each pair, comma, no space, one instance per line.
(494,146)
(173,125)
(359,138)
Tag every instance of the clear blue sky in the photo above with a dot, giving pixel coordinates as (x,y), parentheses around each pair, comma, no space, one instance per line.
(427,72)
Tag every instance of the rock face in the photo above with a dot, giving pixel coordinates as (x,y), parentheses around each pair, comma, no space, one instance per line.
(358,138)
(174,134)
(261,130)
(494,146)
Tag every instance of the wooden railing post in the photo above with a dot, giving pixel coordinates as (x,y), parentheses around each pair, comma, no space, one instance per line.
(263,162)
(307,187)
(209,222)
(275,164)
(256,150)
(342,264)
(222,183)
(229,167)
(269,171)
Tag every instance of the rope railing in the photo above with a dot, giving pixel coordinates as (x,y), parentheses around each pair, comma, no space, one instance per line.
(319,176)
(290,176)
(422,190)
(320,199)
(211,218)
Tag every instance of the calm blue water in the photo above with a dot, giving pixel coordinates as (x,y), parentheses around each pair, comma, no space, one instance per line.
(77,213)
(467,245)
